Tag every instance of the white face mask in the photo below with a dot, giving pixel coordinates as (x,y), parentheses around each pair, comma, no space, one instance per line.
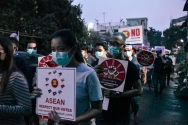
(127,53)
(99,54)
(83,54)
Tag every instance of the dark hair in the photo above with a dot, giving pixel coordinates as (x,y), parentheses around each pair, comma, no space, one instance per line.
(84,47)
(101,44)
(68,37)
(134,50)
(7,65)
(31,41)
(14,41)
(120,34)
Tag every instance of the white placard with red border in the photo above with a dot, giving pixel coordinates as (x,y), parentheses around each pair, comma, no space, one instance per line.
(134,34)
(114,75)
(162,48)
(58,87)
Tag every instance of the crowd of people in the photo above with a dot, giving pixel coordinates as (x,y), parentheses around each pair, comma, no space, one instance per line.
(18,91)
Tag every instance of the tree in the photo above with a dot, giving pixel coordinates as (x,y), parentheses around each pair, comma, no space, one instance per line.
(154,37)
(42,18)
(173,35)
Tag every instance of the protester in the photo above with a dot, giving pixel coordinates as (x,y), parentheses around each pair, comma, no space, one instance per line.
(31,62)
(130,54)
(15,102)
(88,58)
(100,51)
(119,105)
(66,52)
(19,61)
(149,77)
(158,74)
(168,69)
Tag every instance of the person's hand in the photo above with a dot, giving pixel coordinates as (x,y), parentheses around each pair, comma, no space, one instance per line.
(108,93)
(55,117)
(36,92)
(145,80)
(98,69)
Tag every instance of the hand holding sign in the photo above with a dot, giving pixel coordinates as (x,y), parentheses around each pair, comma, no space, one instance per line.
(112,78)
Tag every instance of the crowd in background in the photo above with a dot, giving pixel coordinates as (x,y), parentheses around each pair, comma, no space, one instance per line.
(18,91)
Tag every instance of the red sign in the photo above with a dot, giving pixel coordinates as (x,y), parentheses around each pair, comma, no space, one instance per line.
(113,75)
(135,32)
(145,58)
(47,61)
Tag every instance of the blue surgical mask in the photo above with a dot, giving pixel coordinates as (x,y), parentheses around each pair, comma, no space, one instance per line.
(99,54)
(127,53)
(61,58)
(31,52)
(114,51)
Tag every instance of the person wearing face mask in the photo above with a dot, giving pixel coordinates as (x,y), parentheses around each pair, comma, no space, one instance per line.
(100,51)
(31,63)
(66,52)
(129,55)
(88,57)
(119,102)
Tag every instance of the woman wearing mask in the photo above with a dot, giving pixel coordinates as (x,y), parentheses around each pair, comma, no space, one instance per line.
(15,102)
(66,52)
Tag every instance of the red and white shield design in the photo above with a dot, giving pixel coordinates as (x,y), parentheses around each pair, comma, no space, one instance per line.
(145,58)
(113,75)
(47,61)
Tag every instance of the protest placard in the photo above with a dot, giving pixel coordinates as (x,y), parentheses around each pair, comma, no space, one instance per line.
(58,86)
(113,77)
(46,61)
(145,58)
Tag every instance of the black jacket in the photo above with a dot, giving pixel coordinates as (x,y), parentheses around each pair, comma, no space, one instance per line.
(20,64)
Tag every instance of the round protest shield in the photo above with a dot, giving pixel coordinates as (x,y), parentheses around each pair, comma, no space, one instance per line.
(113,75)
(145,58)
(47,61)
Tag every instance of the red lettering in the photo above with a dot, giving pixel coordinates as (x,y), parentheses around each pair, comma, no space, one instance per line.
(55,101)
(135,32)
(66,109)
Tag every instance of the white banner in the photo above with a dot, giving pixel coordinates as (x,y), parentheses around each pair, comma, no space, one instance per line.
(134,35)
